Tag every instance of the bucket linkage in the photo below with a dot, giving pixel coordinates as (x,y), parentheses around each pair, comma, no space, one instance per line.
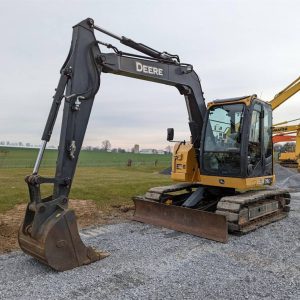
(49,231)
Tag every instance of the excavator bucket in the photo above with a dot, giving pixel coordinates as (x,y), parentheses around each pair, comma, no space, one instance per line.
(55,241)
(196,222)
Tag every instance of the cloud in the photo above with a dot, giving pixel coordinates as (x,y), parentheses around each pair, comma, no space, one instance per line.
(236,47)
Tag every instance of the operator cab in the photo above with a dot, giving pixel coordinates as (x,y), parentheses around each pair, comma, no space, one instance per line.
(237,138)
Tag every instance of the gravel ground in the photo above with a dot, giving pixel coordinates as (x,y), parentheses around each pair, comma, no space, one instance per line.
(148,262)
(286,177)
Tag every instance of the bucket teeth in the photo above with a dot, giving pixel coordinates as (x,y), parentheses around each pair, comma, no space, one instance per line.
(58,244)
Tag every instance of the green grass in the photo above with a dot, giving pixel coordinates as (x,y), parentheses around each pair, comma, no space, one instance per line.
(25,158)
(103,177)
(106,185)
(111,186)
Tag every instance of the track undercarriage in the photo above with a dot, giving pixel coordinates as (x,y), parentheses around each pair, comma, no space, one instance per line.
(210,212)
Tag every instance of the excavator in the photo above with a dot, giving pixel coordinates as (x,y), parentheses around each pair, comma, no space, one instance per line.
(286,155)
(284,132)
(223,174)
(290,156)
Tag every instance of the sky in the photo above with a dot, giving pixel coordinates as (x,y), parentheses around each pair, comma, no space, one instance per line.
(237,47)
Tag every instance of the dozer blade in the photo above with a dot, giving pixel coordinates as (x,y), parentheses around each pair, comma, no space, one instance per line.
(57,242)
(196,222)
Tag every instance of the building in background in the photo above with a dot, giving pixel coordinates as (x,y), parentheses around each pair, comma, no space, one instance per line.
(148,151)
(136,148)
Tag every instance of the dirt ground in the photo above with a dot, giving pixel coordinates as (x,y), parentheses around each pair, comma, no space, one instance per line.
(86,211)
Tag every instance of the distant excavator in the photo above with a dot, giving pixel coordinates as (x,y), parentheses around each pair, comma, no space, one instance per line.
(284,131)
(290,154)
(225,172)
(287,156)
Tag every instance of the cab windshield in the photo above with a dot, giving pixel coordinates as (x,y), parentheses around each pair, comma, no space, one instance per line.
(222,142)
(223,132)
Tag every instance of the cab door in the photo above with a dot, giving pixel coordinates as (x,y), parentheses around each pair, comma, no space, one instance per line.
(260,147)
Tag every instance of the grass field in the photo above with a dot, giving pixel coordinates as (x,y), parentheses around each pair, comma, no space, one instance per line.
(103,177)
(25,158)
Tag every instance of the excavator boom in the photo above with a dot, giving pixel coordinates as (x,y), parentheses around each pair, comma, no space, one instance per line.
(285,94)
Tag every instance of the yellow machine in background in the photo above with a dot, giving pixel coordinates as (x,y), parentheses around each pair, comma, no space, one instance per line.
(289,157)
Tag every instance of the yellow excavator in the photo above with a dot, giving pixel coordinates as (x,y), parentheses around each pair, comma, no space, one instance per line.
(224,173)
(290,158)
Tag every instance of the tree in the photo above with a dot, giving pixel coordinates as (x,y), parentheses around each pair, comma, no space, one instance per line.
(106,145)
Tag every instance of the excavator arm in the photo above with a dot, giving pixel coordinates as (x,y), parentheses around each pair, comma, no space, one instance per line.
(49,231)
(81,76)
(285,94)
